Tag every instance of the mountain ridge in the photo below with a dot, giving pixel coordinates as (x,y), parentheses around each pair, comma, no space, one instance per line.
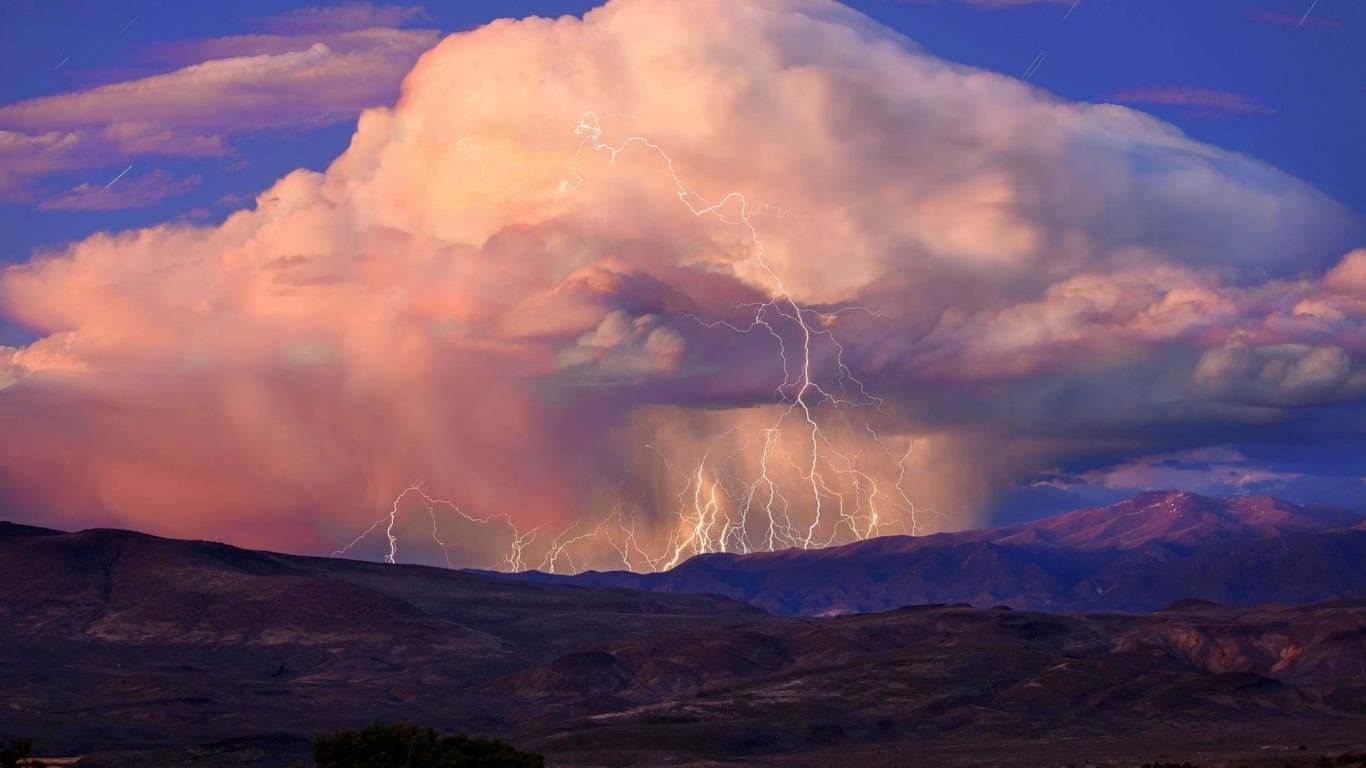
(112,635)
(1135,555)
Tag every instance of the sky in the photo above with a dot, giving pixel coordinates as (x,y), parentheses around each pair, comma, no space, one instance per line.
(620,284)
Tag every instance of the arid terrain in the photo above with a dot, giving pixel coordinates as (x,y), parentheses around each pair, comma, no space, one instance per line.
(136,650)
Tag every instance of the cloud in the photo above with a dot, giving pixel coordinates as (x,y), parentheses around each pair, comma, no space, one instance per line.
(1348,277)
(1289,19)
(1209,103)
(988,4)
(235,94)
(578,275)
(1280,374)
(25,158)
(368,41)
(221,95)
(220,88)
(625,346)
(1217,469)
(340,18)
(137,191)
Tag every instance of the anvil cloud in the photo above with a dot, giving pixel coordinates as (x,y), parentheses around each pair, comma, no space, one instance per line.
(472,296)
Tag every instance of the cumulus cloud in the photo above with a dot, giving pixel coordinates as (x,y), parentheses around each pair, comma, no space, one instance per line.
(623,345)
(1280,374)
(768,263)
(1348,278)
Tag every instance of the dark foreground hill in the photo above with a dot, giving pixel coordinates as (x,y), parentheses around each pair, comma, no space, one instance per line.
(1137,555)
(142,651)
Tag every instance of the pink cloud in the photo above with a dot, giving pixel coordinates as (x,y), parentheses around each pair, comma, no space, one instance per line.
(29,157)
(361,41)
(1210,103)
(1290,19)
(221,95)
(1348,278)
(530,284)
(224,87)
(340,18)
(1296,342)
(136,191)
(988,4)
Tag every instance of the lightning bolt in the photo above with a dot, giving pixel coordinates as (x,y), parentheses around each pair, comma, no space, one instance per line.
(799,388)
(718,509)
(512,561)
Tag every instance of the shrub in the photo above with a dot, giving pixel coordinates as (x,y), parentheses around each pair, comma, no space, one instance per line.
(400,745)
(15,750)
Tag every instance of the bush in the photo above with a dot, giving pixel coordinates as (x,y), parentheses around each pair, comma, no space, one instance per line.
(14,750)
(399,745)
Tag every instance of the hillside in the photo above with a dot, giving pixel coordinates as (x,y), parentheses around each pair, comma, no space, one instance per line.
(156,652)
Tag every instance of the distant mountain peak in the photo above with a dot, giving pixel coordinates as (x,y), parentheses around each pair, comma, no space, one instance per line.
(1175,516)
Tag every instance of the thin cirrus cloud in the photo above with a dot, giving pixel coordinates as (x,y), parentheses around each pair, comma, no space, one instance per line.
(363,41)
(339,18)
(267,90)
(1012,3)
(1290,19)
(989,4)
(1203,101)
(132,191)
(319,67)
(995,282)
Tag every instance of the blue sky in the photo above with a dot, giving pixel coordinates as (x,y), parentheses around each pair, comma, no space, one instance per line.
(105,127)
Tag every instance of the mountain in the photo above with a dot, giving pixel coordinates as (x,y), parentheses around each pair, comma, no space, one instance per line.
(8,530)
(134,650)
(1136,555)
(115,636)
(1177,517)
